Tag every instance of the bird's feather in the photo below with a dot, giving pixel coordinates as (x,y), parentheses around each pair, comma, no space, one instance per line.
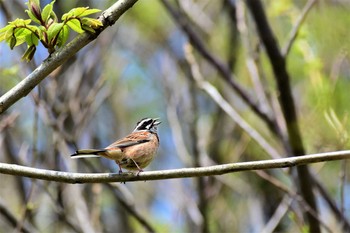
(131,140)
(78,156)
(86,153)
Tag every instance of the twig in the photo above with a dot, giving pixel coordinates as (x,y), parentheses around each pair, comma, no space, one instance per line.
(197,154)
(13,221)
(293,34)
(343,182)
(292,194)
(277,216)
(108,17)
(332,204)
(74,178)
(131,209)
(8,121)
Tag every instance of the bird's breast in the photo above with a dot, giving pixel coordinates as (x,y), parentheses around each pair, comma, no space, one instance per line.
(142,154)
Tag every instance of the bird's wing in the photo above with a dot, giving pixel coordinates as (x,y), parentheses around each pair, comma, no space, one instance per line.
(132,139)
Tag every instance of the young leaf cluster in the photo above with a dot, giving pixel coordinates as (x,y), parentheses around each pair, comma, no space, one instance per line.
(47,29)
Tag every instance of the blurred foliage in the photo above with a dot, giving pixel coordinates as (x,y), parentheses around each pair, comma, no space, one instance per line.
(137,69)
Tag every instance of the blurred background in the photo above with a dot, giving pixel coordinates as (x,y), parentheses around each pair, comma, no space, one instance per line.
(180,61)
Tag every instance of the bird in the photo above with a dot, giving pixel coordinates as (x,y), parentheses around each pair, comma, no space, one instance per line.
(133,152)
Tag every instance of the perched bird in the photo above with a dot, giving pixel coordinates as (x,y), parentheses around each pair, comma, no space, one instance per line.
(133,152)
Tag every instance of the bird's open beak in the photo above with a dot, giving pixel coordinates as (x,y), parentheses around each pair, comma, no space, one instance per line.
(156,121)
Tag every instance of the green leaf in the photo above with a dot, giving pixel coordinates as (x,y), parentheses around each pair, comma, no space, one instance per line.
(45,15)
(34,8)
(13,42)
(27,22)
(31,39)
(34,29)
(36,3)
(18,32)
(53,30)
(9,34)
(77,11)
(20,22)
(63,36)
(2,37)
(90,22)
(29,53)
(89,29)
(6,32)
(35,40)
(53,16)
(66,16)
(32,17)
(41,29)
(21,34)
(75,25)
(7,27)
(20,40)
(89,12)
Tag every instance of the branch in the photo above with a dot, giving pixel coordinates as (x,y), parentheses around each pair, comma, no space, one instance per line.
(282,79)
(130,208)
(74,178)
(12,220)
(294,33)
(224,105)
(216,63)
(108,18)
(333,205)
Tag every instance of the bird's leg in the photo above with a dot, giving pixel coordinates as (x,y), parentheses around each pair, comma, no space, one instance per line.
(120,168)
(138,167)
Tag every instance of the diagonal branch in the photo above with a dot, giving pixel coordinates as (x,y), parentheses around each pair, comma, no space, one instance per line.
(224,105)
(217,64)
(7,215)
(294,33)
(74,178)
(108,18)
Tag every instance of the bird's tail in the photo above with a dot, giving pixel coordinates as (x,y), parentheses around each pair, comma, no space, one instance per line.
(87,153)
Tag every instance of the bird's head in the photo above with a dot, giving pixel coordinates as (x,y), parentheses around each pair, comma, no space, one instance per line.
(149,124)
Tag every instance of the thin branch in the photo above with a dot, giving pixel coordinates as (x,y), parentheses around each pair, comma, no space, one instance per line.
(294,33)
(108,18)
(130,208)
(293,194)
(13,221)
(79,178)
(8,121)
(279,213)
(332,204)
(198,152)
